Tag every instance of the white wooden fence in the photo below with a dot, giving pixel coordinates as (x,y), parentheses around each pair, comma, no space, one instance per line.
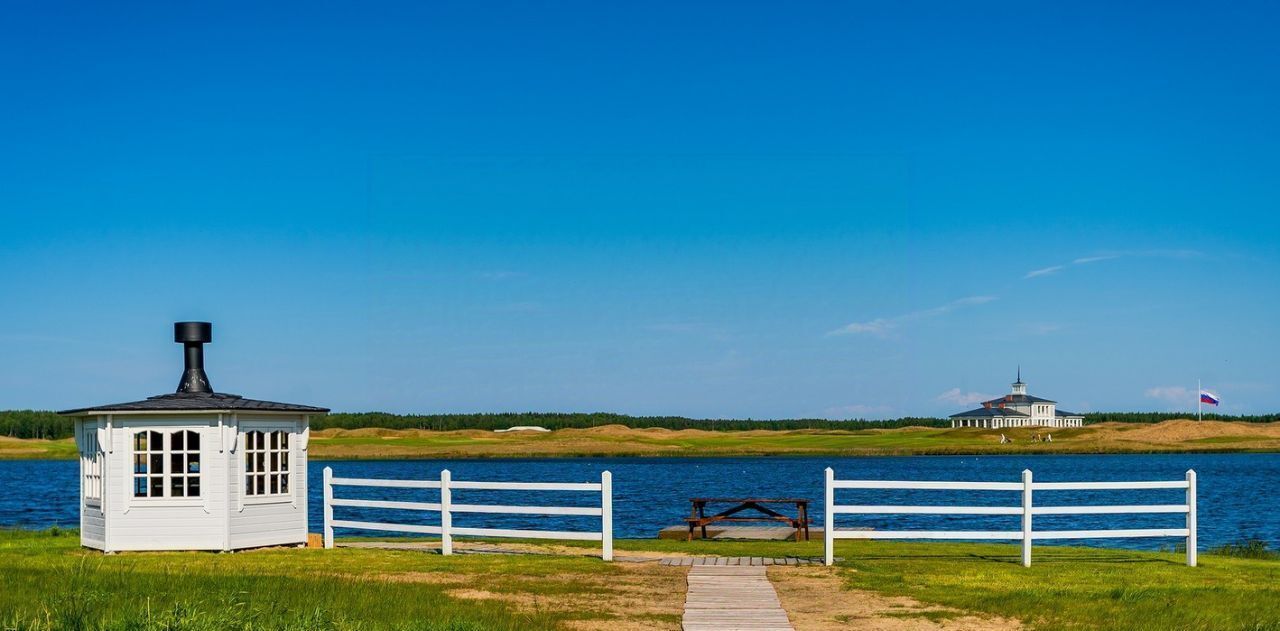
(1026,535)
(447,508)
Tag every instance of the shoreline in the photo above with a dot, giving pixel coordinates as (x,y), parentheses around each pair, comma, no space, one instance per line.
(616,441)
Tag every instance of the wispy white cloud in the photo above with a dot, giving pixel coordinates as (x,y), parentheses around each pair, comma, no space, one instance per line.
(499,274)
(1045,271)
(1097,258)
(1085,260)
(1178,397)
(959,397)
(1040,328)
(884,326)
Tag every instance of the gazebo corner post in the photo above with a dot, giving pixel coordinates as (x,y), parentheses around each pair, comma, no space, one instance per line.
(328,508)
(1026,517)
(606,516)
(446,513)
(1191,517)
(828,523)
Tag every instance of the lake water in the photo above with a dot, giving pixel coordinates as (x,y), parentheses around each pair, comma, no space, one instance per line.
(652,493)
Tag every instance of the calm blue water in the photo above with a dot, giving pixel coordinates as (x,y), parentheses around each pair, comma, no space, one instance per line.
(651,493)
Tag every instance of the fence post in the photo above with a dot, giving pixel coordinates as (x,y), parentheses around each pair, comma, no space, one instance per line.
(1191,517)
(328,507)
(1026,518)
(829,521)
(446,514)
(606,515)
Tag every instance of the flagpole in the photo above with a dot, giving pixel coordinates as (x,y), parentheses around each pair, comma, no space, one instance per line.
(1199,402)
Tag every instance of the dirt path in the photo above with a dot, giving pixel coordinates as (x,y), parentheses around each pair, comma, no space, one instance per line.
(816,600)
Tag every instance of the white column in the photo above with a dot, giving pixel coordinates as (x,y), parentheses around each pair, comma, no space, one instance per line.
(446,513)
(606,515)
(1026,518)
(328,507)
(1191,517)
(828,524)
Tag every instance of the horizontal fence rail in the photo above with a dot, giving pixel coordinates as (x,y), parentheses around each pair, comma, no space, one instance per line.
(1026,510)
(447,508)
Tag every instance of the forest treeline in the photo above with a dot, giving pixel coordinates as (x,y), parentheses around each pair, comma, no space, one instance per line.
(44,424)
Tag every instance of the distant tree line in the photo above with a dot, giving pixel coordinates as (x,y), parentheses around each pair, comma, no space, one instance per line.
(45,424)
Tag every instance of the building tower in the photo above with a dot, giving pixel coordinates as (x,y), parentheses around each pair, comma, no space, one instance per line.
(1018,386)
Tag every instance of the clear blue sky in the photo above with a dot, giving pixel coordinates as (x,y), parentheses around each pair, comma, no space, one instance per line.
(837,209)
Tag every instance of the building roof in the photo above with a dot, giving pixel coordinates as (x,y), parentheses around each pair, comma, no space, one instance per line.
(197,402)
(1066,413)
(992,412)
(1018,398)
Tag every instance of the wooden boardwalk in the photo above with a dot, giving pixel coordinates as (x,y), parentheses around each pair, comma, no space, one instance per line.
(728,597)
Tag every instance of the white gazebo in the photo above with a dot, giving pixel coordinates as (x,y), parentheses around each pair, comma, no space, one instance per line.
(195,469)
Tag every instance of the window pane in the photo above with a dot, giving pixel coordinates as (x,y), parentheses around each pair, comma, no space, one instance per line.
(193,486)
(157,463)
(284,483)
(140,441)
(175,463)
(193,441)
(193,463)
(140,463)
(177,441)
(275,462)
(140,487)
(284,439)
(275,484)
(155,441)
(284,461)
(176,487)
(157,486)
(275,440)
(248,485)
(260,461)
(262,484)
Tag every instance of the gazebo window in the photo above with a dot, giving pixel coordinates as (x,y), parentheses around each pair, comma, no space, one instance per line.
(266,463)
(166,464)
(91,466)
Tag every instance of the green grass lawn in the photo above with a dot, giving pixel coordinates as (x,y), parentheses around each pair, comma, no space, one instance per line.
(1065,587)
(49,582)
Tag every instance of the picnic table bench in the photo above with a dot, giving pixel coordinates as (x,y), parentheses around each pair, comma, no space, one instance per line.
(698,516)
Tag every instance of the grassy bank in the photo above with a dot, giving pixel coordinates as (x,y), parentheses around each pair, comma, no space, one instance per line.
(615,440)
(50,583)
(1170,436)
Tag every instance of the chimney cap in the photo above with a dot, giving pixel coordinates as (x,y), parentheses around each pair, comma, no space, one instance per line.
(198,332)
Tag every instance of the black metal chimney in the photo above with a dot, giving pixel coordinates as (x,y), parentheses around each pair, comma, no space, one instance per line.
(193,336)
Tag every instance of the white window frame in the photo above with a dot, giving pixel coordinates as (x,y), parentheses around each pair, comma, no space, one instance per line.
(91,461)
(166,451)
(248,455)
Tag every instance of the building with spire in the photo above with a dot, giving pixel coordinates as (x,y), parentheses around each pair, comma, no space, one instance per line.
(1017,409)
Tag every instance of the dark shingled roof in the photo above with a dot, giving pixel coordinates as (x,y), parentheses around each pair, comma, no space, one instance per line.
(991,412)
(198,401)
(1018,398)
(1066,413)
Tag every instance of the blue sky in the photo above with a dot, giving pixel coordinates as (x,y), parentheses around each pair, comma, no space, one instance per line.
(714,210)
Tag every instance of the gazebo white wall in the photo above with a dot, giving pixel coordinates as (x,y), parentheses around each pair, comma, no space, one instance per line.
(223,517)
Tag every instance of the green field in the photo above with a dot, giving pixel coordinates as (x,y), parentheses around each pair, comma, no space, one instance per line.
(50,583)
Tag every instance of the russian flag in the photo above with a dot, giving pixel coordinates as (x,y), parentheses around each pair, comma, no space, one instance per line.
(1208,397)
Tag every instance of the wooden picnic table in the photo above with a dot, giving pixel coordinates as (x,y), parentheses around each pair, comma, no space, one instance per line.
(698,516)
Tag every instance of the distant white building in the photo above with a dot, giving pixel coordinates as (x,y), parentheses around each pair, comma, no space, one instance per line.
(1017,409)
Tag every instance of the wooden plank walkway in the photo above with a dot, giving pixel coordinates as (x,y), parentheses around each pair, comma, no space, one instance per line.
(693,561)
(729,597)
